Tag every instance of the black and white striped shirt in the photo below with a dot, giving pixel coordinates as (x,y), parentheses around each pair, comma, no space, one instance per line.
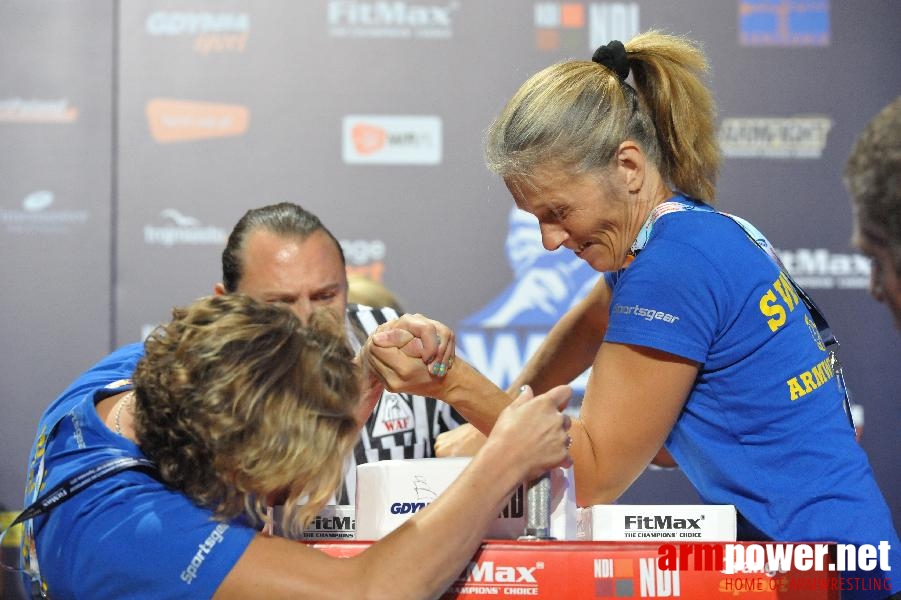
(401,425)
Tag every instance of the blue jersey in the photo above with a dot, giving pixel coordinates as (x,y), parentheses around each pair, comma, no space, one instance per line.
(764,427)
(127,536)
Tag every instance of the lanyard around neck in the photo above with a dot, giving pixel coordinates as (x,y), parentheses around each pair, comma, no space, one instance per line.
(69,488)
(755,236)
(644,234)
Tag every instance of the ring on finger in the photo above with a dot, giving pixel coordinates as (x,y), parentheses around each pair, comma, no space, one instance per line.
(569,442)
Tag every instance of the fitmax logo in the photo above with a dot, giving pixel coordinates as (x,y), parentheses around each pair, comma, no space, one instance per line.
(488,572)
(335,523)
(820,268)
(661,522)
(821,261)
(389,13)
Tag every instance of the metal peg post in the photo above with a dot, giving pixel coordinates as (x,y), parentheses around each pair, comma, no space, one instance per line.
(538,510)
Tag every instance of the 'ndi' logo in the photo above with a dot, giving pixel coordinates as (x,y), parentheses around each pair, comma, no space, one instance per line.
(634,578)
(568,26)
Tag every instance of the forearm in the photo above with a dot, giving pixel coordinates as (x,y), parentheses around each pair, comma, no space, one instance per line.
(528,439)
(475,498)
(570,346)
(564,355)
(633,398)
(601,473)
(473,395)
(417,560)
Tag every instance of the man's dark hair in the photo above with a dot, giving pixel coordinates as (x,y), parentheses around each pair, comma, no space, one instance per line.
(285,218)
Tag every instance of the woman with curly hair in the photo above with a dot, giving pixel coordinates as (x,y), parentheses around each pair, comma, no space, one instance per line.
(231,406)
(873,179)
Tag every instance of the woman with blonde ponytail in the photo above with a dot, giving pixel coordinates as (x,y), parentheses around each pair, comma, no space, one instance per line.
(698,341)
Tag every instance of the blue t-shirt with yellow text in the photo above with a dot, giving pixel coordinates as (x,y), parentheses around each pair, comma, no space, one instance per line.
(764,427)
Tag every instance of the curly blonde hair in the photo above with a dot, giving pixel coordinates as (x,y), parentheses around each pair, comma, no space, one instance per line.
(575,114)
(872,176)
(238,402)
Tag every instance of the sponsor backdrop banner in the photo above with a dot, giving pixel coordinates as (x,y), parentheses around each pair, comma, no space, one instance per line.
(133,137)
(56,203)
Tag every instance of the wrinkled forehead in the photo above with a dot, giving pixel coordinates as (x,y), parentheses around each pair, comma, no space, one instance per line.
(538,180)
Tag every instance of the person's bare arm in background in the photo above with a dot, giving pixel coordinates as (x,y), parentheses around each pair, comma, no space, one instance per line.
(568,350)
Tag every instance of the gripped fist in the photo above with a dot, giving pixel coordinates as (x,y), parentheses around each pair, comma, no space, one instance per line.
(410,352)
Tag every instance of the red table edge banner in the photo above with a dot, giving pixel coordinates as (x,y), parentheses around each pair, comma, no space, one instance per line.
(602,570)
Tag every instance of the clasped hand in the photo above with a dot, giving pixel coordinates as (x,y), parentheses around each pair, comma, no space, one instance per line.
(411,354)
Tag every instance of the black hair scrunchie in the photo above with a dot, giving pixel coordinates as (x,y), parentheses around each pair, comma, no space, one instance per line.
(613,56)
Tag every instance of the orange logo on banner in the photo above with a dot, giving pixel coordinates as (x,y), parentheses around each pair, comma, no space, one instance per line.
(368,138)
(572,15)
(182,120)
(374,270)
